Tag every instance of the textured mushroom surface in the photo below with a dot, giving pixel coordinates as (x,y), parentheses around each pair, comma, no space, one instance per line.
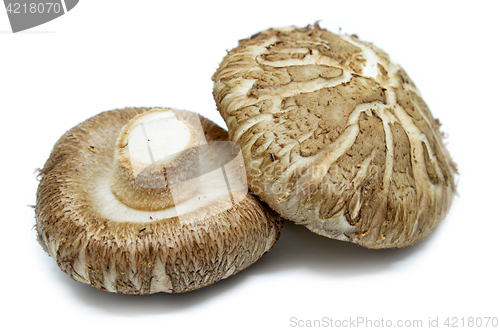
(335,136)
(98,239)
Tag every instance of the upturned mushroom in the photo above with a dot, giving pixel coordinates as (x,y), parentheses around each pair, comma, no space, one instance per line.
(335,136)
(139,201)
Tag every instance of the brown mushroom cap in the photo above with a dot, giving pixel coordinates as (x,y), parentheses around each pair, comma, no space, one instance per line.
(98,239)
(335,136)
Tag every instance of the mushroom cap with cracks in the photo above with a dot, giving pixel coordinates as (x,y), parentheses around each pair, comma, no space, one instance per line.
(335,136)
(115,245)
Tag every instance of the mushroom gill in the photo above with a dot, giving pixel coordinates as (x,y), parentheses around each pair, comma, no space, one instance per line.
(122,223)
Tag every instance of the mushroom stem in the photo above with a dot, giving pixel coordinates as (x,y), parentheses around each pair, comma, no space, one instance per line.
(154,152)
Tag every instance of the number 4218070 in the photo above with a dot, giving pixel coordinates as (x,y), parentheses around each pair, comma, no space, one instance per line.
(33,8)
(472,322)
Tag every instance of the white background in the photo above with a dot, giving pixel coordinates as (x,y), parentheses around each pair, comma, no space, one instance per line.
(110,54)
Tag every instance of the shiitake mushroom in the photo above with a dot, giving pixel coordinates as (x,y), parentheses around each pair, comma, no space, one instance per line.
(335,136)
(139,201)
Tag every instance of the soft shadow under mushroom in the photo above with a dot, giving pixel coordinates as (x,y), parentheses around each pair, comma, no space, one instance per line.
(154,304)
(300,248)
